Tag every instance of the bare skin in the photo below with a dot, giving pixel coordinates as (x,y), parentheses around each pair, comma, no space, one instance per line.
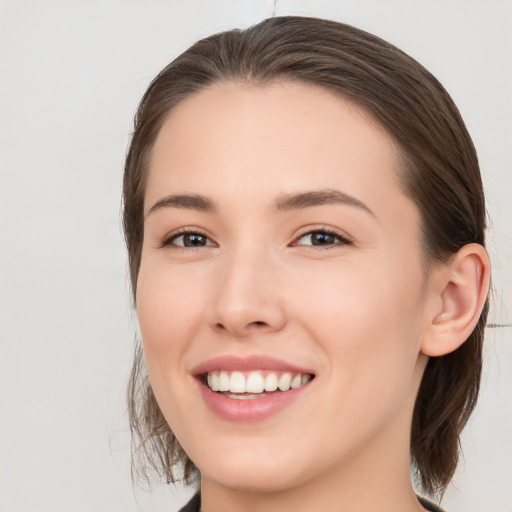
(336,287)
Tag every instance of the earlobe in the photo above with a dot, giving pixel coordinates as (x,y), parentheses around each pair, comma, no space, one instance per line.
(462,287)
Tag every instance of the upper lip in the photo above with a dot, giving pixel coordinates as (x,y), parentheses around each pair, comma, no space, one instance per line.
(246,363)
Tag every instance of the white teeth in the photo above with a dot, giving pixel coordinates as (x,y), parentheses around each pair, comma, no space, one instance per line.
(215,382)
(224,381)
(237,383)
(284,381)
(255,383)
(296,381)
(243,396)
(271,382)
(305,379)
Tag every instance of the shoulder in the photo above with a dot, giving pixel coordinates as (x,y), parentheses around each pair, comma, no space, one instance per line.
(193,505)
(428,504)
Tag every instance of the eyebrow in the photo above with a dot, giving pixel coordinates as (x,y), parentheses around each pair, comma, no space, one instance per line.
(187,201)
(298,200)
(284,202)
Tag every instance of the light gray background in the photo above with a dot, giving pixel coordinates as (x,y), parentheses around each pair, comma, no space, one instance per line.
(71,73)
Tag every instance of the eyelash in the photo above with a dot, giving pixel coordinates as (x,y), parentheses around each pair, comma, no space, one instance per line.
(326,231)
(168,240)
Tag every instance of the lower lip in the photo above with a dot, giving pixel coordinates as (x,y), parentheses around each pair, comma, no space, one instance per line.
(252,410)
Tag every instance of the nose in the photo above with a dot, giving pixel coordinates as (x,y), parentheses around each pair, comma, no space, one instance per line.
(248,299)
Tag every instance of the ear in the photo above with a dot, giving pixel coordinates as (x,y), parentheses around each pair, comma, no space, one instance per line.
(460,287)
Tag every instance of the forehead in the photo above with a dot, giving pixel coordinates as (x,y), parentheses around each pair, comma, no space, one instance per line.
(267,139)
(285,112)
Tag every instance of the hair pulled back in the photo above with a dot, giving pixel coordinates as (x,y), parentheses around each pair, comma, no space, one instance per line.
(439,172)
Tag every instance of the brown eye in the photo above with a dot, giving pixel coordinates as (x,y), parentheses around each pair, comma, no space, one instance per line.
(322,238)
(190,239)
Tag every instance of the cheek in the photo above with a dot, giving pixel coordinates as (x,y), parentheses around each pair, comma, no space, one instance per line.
(362,324)
(169,310)
(365,320)
(168,307)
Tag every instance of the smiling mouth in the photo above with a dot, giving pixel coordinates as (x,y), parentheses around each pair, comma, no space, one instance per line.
(254,384)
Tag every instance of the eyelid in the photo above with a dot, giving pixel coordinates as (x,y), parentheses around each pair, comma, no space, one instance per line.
(343,238)
(170,237)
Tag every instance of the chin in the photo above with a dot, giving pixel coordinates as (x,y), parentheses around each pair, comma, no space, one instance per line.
(258,471)
(251,479)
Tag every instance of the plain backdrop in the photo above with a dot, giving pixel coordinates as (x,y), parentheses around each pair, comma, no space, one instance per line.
(71,73)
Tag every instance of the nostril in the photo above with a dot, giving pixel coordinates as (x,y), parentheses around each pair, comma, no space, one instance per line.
(256,324)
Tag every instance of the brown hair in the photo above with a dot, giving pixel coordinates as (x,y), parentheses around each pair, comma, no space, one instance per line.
(439,172)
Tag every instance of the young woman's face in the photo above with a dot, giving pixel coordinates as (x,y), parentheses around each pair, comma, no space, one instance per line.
(279,250)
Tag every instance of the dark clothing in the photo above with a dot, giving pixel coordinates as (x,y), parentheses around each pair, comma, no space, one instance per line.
(195,504)
(429,505)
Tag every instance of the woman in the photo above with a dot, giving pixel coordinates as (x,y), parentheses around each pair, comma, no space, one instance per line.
(305,224)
